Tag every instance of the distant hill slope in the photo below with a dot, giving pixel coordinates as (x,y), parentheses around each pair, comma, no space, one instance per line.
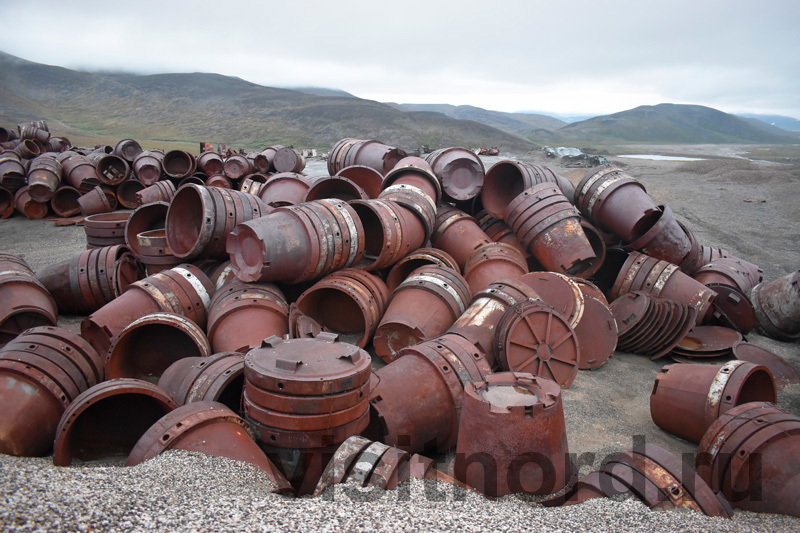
(522,124)
(779,121)
(672,123)
(322,91)
(210,107)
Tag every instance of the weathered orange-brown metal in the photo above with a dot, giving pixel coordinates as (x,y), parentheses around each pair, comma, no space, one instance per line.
(162,191)
(335,187)
(148,166)
(26,205)
(285,189)
(416,259)
(458,234)
(288,160)
(460,171)
(491,262)
(414,172)
(505,180)
(390,232)
(105,229)
(367,178)
(65,201)
(24,300)
(94,202)
(44,177)
(777,307)
(178,164)
(218,377)
(373,154)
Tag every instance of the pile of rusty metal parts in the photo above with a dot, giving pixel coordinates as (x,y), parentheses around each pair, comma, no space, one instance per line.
(234,307)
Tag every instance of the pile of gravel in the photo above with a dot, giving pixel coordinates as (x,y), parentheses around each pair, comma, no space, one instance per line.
(183,491)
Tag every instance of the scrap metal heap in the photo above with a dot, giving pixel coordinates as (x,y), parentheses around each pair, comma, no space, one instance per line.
(233,307)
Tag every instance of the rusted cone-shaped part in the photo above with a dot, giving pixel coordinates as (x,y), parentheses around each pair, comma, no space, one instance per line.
(416,403)
(178,164)
(148,217)
(58,144)
(491,262)
(6,203)
(24,301)
(105,229)
(458,234)
(27,149)
(732,309)
(390,232)
(731,272)
(94,202)
(616,202)
(558,291)
(507,422)
(421,308)
(200,219)
(662,280)
(549,226)
(777,306)
(478,324)
(79,172)
(335,187)
(218,378)
(128,149)
(285,189)
(416,200)
(219,180)
(687,399)
(65,201)
(154,252)
(269,153)
(288,160)
(206,427)
(90,279)
(498,231)
(259,162)
(210,163)
(148,345)
(183,290)
(111,169)
(252,183)
(162,191)
(750,455)
(345,458)
(26,205)
(12,171)
(8,134)
(44,177)
(415,172)
(126,193)
(242,315)
(30,131)
(237,166)
(348,302)
(70,346)
(596,331)
(664,240)
(506,180)
(367,178)
(108,419)
(460,171)
(148,166)
(222,274)
(373,154)
(597,241)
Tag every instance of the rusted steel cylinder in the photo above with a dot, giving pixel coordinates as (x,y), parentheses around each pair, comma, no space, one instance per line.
(491,262)
(334,187)
(66,348)
(24,301)
(237,166)
(460,171)
(616,202)
(219,180)
(111,169)
(349,303)
(750,455)
(506,180)
(458,234)
(105,229)
(415,172)
(210,163)
(126,193)
(414,199)
(44,177)
(662,280)
(687,399)
(6,203)
(218,378)
(65,201)
(148,217)
(367,178)
(26,205)
(196,179)
(288,160)
(200,219)
(390,232)
(154,252)
(421,308)
(252,183)
(128,149)
(665,240)
(373,154)
(269,154)
(148,166)
(729,272)
(8,134)
(12,172)
(108,419)
(27,149)
(498,231)
(416,259)
(183,290)
(285,189)
(58,144)
(30,131)
(162,191)
(178,164)
(149,345)
(777,306)
(549,226)
(79,172)
(560,292)
(241,315)
(599,247)
(94,202)
(259,162)
(478,324)
(512,436)
(90,279)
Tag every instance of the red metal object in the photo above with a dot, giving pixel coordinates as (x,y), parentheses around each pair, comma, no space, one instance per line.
(732,309)
(126,193)
(782,372)
(665,240)
(6,203)
(288,160)
(65,201)
(241,315)
(259,161)
(596,332)
(414,199)
(148,166)
(219,180)
(506,180)
(750,455)
(128,149)
(79,172)
(687,399)
(105,229)
(598,242)
(491,262)
(616,202)
(210,163)
(252,183)
(367,178)
(421,308)
(237,166)
(108,419)
(218,377)
(560,292)
(24,301)
(512,436)
(32,132)
(162,191)
(94,202)
(178,164)
(269,154)
(731,272)
(44,177)
(373,154)
(777,307)
(414,172)
(498,231)
(458,234)
(416,259)
(145,218)
(390,232)
(111,169)
(708,341)
(31,209)
(200,219)
(154,252)
(285,189)
(27,149)
(335,187)
(12,171)
(460,171)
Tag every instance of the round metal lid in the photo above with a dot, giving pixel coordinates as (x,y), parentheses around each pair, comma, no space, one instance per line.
(597,334)
(709,340)
(783,372)
(628,310)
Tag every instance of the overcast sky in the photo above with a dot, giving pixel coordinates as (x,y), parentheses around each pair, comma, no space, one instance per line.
(569,57)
